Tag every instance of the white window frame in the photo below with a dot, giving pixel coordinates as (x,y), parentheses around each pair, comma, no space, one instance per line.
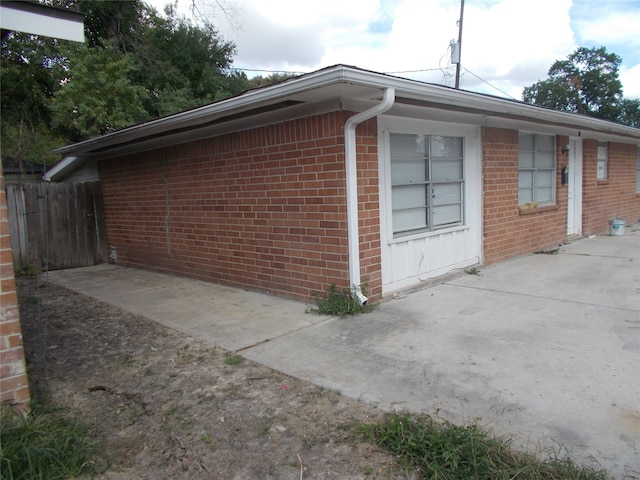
(429,186)
(391,125)
(535,169)
(602,165)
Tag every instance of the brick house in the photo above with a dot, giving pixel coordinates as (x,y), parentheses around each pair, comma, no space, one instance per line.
(345,176)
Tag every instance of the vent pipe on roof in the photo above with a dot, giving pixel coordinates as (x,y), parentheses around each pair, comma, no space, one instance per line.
(352,187)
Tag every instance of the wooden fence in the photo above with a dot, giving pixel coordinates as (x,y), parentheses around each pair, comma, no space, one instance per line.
(56,225)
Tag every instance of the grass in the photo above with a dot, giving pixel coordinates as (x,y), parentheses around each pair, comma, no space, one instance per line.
(126,360)
(336,302)
(232,359)
(43,445)
(30,271)
(439,450)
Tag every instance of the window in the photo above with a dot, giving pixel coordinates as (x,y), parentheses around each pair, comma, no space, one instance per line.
(602,161)
(427,182)
(536,169)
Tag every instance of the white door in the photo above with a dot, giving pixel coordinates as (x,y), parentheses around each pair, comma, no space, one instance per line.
(574,187)
(410,257)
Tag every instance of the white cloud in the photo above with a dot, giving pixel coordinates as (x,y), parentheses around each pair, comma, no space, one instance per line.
(504,44)
(286,34)
(419,36)
(630,78)
(612,29)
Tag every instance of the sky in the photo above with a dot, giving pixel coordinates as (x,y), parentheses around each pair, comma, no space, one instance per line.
(506,44)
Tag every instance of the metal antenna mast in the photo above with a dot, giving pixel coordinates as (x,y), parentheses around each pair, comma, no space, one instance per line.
(459,44)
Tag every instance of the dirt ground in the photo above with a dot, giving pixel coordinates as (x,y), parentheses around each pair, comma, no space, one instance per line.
(164,405)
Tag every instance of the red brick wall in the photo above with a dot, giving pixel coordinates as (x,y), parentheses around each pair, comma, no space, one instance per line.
(369,207)
(263,208)
(510,231)
(14,385)
(614,197)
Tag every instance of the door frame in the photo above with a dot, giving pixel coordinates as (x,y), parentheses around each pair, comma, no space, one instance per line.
(409,260)
(574,187)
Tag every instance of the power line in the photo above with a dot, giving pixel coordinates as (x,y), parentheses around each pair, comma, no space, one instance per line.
(492,86)
(266,70)
(413,71)
(398,72)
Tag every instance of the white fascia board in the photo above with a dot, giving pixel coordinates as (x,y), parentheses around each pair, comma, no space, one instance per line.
(445,96)
(493,106)
(41,20)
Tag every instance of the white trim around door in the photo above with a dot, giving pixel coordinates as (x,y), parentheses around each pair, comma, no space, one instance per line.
(574,187)
(449,238)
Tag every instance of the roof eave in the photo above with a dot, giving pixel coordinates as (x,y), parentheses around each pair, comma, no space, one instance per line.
(238,103)
(437,95)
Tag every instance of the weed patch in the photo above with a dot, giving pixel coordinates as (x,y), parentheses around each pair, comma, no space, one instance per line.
(340,303)
(43,445)
(231,359)
(439,450)
(30,271)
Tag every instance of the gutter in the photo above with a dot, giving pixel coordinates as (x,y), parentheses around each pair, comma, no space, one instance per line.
(353,230)
(62,168)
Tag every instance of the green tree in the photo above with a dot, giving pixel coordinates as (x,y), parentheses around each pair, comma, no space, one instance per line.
(184,65)
(116,21)
(260,81)
(586,82)
(30,70)
(630,114)
(98,96)
(135,66)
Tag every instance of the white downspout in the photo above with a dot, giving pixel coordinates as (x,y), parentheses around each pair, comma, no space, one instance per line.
(352,187)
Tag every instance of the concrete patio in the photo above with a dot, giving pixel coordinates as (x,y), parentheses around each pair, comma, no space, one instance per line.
(545,348)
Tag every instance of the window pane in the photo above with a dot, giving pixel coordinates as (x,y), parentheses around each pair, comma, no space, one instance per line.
(544,195)
(544,160)
(545,143)
(602,150)
(525,195)
(447,214)
(407,171)
(526,159)
(544,178)
(408,146)
(450,147)
(526,141)
(444,170)
(446,193)
(408,197)
(525,179)
(544,186)
(407,220)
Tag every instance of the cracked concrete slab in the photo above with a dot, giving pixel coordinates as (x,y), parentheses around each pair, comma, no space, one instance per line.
(545,348)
